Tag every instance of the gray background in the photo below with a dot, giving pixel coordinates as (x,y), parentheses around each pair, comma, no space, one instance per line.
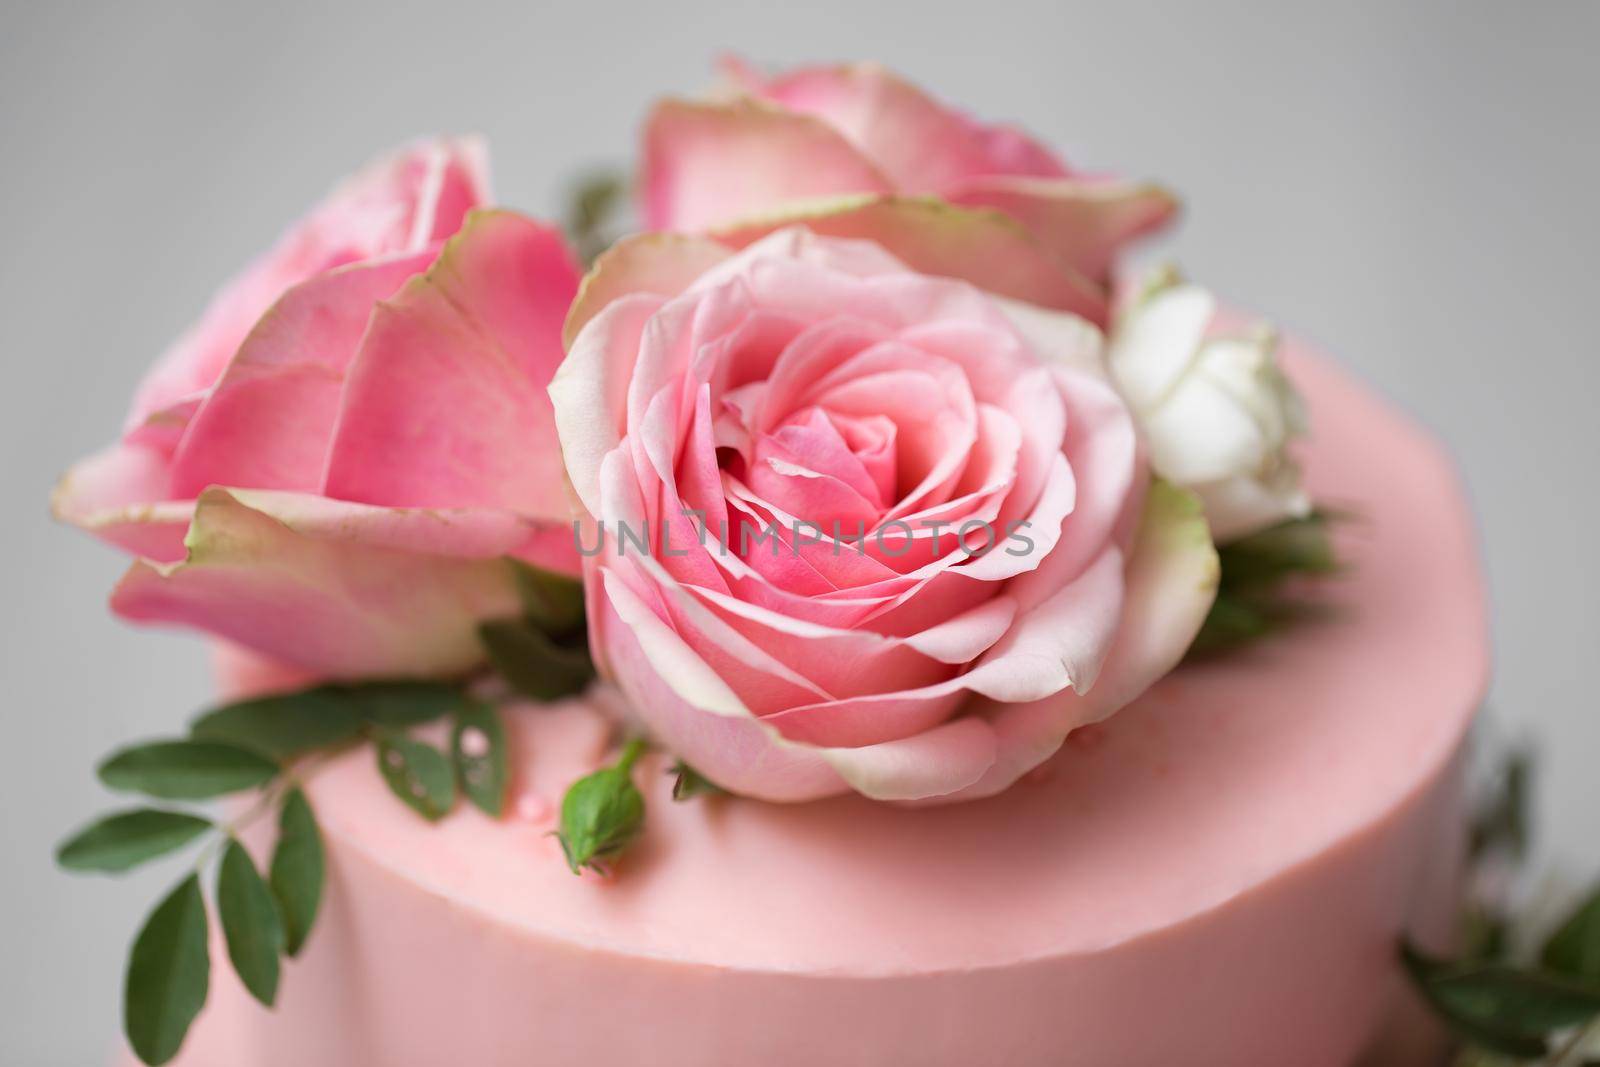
(1412,186)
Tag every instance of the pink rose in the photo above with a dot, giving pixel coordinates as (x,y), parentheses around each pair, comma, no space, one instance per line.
(900,535)
(334,464)
(792,143)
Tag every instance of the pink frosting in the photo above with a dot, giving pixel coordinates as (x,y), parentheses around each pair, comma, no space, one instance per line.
(1217,874)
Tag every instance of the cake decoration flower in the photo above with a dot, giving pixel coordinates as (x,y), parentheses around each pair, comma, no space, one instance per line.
(860,528)
(1216,410)
(766,144)
(335,466)
(375,229)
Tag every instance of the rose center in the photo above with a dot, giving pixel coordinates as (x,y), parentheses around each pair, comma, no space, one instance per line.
(828,468)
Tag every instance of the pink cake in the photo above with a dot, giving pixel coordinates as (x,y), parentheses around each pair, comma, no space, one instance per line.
(1216,875)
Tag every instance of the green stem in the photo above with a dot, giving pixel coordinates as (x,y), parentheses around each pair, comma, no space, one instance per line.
(290,777)
(631,754)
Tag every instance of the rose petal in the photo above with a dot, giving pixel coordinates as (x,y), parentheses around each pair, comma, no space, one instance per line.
(590,389)
(1061,642)
(445,404)
(934,763)
(268,421)
(398,204)
(1236,507)
(710,163)
(121,495)
(468,533)
(661,263)
(922,144)
(1059,338)
(871,719)
(1171,583)
(984,248)
(319,597)
(1103,447)
(1084,223)
(693,712)
(1152,349)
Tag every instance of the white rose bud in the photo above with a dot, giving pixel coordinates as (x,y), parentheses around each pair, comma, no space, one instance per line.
(1216,411)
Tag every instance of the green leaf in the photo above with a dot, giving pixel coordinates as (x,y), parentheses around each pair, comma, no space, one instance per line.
(553,603)
(1525,1001)
(401,704)
(1574,949)
(478,748)
(591,207)
(1498,1007)
(285,724)
(533,664)
(593,197)
(1485,933)
(689,783)
(186,770)
(1502,824)
(250,923)
(1294,546)
(127,839)
(297,870)
(1252,601)
(1231,622)
(418,774)
(169,971)
(602,813)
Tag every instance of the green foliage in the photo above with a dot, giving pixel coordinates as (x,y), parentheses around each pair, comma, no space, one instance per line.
(1501,824)
(169,971)
(1573,949)
(478,750)
(262,744)
(1254,594)
(418,774)
(399,705)
(688,783)
(283,725)
(552,602)
(1509,1010)
(297,870)
(186,770)
(592,208)
(535,664)
(129,838)
(250,923)
(253,745)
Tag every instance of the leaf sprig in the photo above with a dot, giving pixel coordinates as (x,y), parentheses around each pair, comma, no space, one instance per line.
(169,966)
(1524,1012)
(266,745)
(1254,592)
(1541,1006)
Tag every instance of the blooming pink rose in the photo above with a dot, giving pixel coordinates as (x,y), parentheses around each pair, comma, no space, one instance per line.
(333,466)
(776,145)
(900,537)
